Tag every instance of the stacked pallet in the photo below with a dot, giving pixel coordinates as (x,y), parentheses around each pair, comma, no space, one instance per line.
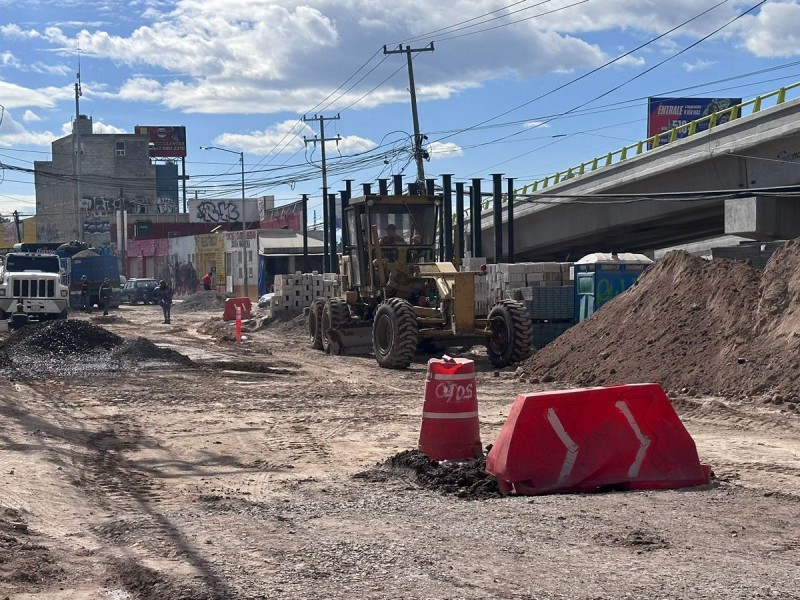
(295,292)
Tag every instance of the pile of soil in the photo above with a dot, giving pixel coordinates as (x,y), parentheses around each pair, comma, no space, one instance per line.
(199,301)
(74,347)
(218,330)
(22,559)
(695,326)
(465,479)
(70,336)
(142,350)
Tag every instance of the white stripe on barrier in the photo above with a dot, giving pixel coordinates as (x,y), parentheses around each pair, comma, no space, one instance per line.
(453,377)
(459,415)
(572,447)
(644,441)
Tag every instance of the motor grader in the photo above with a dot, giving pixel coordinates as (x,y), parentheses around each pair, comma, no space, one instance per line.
(396,300)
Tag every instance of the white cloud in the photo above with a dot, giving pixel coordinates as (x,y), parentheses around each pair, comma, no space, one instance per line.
(774,31)
(29,116)
(287,137)
(698,65)
(16,96)
(14,134)
(7,59)
(100,127)
(439,150)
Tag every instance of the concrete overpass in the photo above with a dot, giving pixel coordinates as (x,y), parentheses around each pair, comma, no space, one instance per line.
(751,155)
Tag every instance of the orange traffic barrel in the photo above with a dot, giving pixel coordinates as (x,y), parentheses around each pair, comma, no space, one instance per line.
(450,426)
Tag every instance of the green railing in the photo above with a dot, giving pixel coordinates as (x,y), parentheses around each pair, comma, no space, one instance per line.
(723,116)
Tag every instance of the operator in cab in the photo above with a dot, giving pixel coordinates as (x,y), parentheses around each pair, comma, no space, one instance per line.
(391,238)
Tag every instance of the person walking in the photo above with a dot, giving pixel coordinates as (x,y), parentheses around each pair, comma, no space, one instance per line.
(105,296)
(85,303)
(165,299)
(207,281)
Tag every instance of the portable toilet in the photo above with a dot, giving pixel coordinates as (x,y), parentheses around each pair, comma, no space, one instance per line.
(601,276)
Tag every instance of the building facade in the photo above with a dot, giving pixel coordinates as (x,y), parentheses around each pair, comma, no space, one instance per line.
(78,194)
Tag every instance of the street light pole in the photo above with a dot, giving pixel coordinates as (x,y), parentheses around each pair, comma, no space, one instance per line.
(244,216)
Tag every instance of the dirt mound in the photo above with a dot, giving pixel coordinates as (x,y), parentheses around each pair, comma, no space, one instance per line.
(75,348)
(466,479)
(141,350)
(85,253)
(712,327)
(206,300)
(288,321)
(219,330)
(70,336)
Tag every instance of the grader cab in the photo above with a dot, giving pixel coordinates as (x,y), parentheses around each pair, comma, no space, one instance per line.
(396,300)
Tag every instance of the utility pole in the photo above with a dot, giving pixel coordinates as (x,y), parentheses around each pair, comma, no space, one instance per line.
(328,216)
(77,138)
(418,137)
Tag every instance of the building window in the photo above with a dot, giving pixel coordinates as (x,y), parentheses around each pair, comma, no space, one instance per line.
(120,148)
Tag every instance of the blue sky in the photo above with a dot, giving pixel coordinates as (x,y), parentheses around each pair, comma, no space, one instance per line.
(525,88)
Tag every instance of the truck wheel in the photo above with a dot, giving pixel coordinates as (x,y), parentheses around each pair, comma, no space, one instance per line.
(512,333)
(63,315)
(315,323)
(334,315)
(395,334)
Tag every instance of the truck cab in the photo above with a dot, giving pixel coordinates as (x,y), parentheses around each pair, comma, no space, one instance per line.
(36,281)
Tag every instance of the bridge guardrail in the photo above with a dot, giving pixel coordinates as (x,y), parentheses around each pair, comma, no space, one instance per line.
(737,111)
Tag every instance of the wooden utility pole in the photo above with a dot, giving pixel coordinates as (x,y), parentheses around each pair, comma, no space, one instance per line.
(419,154)
(328,216)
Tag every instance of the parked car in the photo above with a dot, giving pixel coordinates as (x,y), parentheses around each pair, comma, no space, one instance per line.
(140,290)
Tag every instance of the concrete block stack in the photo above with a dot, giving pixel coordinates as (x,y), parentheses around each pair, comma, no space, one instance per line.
(295,292)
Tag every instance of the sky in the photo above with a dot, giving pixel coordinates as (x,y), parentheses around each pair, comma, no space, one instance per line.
(523,88)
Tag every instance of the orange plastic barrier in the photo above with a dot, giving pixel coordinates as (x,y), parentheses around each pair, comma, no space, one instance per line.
(626,436)
(230,308)
(450,427)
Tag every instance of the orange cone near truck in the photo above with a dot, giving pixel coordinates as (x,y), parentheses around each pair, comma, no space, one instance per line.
(581,440)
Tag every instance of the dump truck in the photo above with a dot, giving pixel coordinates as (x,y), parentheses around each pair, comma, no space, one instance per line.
(397,300)
(36,282)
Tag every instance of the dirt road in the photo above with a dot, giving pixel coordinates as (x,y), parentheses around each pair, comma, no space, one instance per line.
(236,478)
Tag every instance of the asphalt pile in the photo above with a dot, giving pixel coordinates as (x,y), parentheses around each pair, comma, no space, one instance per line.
(696,326)
(75,347)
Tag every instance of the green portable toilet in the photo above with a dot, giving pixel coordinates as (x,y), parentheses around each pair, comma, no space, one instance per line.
(601,276)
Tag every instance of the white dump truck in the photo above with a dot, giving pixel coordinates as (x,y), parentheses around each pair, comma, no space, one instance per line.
(36,281)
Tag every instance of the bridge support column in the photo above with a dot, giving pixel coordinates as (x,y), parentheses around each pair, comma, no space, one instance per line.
(763,218)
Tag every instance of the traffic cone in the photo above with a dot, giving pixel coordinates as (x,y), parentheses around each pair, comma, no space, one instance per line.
(450,426)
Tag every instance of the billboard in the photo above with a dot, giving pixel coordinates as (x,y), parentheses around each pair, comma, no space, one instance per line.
(664,114)
(166,142)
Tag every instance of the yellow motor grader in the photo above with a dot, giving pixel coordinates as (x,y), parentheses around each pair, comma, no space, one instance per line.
(396,300)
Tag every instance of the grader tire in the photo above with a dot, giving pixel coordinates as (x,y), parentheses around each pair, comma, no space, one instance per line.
(512,334)
(395,334)
(315,323)
(334,314)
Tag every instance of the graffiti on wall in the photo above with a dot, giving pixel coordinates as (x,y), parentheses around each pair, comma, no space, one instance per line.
(101,206)
(222,211)
(96,226)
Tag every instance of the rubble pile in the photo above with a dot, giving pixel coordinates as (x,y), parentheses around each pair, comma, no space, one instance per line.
(695,326)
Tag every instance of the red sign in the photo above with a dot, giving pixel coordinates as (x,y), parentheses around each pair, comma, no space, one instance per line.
(165,142)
